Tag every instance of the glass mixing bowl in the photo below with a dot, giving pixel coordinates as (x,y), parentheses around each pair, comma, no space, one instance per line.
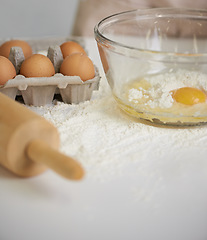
(155,61)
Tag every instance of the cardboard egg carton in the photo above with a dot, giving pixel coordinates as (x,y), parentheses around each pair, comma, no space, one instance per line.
(39,91)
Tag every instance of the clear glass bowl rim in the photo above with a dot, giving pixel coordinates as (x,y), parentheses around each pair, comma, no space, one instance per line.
(100,38)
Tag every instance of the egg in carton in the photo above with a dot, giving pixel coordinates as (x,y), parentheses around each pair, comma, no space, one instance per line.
(39,91)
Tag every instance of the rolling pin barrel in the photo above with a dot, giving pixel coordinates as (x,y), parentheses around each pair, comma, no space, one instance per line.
(28,142)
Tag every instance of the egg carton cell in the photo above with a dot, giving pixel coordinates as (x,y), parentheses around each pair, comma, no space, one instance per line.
(39,91)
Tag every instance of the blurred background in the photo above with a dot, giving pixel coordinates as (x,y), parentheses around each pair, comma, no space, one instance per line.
(29,18)
(46,18)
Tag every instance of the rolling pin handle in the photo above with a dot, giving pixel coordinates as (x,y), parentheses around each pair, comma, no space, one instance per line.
(39,151)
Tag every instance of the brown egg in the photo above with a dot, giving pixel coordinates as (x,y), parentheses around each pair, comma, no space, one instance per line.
(5,48)
(37,65)
(71,47)
(7,70)
(78,64)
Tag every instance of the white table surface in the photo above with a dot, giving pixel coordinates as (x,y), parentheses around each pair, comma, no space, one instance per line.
(161,196)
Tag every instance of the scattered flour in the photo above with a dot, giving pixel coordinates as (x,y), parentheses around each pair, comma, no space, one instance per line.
(109,144)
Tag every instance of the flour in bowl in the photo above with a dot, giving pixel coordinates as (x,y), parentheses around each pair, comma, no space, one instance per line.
(176,97)
(157,89)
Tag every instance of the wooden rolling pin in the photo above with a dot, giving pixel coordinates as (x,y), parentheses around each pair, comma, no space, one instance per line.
(29,144)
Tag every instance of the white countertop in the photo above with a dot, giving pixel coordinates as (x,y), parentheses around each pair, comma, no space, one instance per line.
(144,183)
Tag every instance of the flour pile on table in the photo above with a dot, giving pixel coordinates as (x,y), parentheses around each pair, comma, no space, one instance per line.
(107,142)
